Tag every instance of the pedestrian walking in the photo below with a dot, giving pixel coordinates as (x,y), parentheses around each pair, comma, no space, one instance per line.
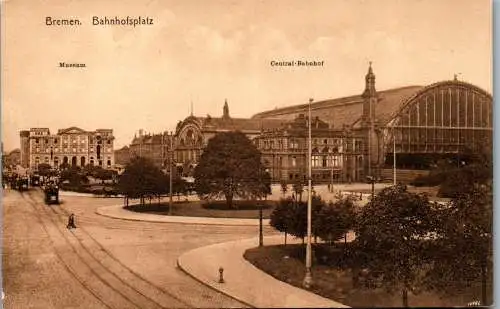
(71,222)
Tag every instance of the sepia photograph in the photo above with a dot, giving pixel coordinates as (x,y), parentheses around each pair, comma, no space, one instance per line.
(239,154)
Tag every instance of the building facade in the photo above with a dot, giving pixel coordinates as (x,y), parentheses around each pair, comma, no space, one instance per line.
(156,147)
(354,137)
(193,133)
(418,125)
(336,153)
(71,147)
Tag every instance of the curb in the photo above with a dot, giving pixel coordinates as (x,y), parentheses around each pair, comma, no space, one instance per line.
(226,290)
(188,221)
(179,265)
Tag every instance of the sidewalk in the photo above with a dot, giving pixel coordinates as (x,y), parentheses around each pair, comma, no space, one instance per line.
(117,212)
(245,282)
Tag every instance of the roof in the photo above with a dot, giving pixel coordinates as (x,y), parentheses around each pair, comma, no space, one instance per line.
(237,124)
(347,110)
(149,139)
(71,130)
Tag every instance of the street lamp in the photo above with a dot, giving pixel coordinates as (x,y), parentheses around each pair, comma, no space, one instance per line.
(171,162)
(372,180)
(308,277)
(394,155)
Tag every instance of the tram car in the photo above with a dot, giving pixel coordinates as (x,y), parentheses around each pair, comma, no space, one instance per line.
(51,194)
(35,180)
(22,184)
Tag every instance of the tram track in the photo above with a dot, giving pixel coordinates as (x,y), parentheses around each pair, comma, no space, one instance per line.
(115,284)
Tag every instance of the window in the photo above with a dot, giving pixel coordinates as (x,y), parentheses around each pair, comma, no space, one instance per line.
(109,162)
(324,161)
(55,140)
(315,161)
(109,142)
(46,141)
(335,161)
(325,141)
(294,161)
(37,140)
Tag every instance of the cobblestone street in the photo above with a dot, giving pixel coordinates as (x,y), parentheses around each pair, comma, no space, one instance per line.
(104,262)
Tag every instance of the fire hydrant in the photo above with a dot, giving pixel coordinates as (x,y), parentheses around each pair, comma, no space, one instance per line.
(221,275)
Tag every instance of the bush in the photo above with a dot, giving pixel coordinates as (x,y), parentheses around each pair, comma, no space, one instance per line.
(431,180)
(238,205)
(80,188)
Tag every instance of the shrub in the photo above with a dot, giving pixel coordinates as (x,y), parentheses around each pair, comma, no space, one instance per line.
(238,205)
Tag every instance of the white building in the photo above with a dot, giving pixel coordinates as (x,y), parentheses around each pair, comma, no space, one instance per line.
(72,146)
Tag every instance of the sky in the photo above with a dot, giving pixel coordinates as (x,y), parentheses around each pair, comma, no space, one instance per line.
(200,52)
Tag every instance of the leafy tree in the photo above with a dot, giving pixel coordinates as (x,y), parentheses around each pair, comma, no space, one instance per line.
(44,169)
(180,186)
(298,189)
(336,219)
(297,217)
(463,253)
(279,218)
(141,179)
(74,176)
(103,174)
(390,238)
(230,167)
(64,166)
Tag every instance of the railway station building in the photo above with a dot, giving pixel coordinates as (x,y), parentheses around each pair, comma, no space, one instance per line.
(357,136)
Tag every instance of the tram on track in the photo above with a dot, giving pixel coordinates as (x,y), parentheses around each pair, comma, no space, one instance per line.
(51,192)
(20,184)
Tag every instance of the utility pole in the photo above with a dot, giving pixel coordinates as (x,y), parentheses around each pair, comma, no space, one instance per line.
(171,162)
(308,277)
(394,154)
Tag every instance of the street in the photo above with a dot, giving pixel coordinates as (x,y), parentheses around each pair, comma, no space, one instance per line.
(104,262)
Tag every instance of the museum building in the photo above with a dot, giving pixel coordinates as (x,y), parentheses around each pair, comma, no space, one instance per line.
(72,146)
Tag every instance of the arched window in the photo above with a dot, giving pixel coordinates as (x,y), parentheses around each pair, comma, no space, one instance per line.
(82,161)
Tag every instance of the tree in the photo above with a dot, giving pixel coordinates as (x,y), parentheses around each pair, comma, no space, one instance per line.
(74,175)
(141,179)
(44,169)
(390,238)
(336,219)
(279,218)
(297,216)
(179,187)
(102,174)
(298,188)
(230,167)
(463,252)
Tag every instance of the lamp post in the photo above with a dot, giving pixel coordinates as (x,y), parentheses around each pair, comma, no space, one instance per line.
(308,277)
(372,180)
(394,155)
(171,162)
